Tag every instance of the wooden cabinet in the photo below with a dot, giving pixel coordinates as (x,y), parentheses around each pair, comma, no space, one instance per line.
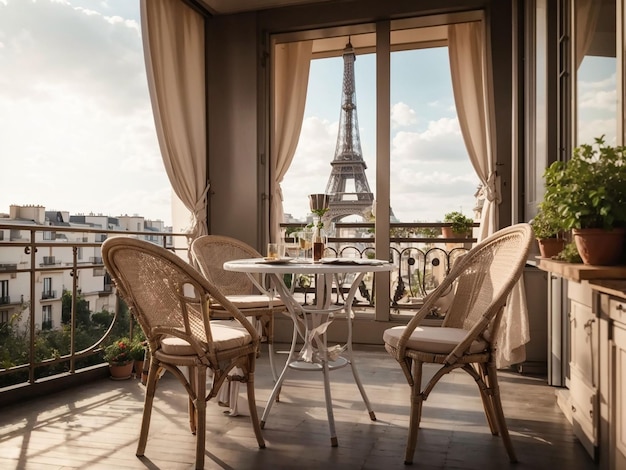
(612,307)
(594,397)
(617,430)
(583,366)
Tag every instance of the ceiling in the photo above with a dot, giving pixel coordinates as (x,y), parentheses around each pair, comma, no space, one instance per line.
(225,7)
(334,40)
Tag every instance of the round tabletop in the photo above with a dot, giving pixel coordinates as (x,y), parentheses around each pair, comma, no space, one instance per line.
(301,266)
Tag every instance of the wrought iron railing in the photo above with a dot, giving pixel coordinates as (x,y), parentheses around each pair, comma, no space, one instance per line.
(75,263)
(422,256)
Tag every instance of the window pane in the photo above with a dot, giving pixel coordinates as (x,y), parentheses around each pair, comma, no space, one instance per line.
(430,169)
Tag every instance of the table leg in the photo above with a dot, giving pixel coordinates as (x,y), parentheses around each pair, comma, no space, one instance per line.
(277,386)
(353,367)
(302,328)
(329,405)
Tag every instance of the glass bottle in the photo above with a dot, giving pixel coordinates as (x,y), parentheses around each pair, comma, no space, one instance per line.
(318,242)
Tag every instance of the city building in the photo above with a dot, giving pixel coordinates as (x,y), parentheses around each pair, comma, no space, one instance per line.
(55,262)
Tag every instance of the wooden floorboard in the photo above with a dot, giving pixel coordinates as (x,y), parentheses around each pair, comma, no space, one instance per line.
(96,426)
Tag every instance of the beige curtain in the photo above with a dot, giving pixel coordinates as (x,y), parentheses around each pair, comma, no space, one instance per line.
(290,77)
(586,18)
(173,41)
(466,47)
(470,83)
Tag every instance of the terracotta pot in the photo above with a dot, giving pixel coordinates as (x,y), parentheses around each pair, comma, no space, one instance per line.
(447,232)
(138,368)
(121,372)
(550,247)
(599,247)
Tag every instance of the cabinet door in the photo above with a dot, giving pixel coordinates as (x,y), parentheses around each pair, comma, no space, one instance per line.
(583,375)
(618,400)
(584,342)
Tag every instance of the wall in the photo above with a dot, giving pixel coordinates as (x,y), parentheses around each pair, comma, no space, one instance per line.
(232,126)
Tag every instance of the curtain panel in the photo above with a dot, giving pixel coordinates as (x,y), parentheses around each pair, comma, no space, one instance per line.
(290,73)
(467,46)
(173,41)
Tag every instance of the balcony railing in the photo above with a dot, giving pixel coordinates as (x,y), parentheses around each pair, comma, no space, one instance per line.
(51,294)
(421,262)
(421,255)
(49,340)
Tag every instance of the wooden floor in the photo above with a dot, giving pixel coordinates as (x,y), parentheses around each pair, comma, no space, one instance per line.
(96,426)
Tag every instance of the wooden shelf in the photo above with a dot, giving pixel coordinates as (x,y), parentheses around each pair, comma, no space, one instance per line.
(581,272)
(615,287)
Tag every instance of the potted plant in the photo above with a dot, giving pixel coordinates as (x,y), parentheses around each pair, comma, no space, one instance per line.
(588,194)
(548,231)
(461,225)
(117,354)
(137,354)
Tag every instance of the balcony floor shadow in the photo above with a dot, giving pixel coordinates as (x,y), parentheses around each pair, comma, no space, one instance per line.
(96,426)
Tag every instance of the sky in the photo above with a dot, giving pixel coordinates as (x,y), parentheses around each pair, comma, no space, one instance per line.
(77,131)
(430,170)
(78,135)
(76,126)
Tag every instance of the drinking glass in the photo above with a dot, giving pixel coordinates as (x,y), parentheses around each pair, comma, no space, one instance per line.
(273,251)
(305,240)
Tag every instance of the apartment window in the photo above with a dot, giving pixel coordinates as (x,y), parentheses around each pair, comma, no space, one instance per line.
(47,288)
(79,253)
(4,292)
(46,317)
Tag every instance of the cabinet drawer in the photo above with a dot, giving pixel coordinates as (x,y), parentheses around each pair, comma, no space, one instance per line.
(585,415)
(617,309)
(580,292)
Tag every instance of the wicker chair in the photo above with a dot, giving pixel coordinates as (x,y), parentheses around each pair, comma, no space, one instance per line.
(171,302)
(209,253)
(467,339)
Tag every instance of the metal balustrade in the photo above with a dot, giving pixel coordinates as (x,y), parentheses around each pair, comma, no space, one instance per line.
(72,262)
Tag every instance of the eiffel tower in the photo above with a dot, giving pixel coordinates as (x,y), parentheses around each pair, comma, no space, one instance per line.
(347,186)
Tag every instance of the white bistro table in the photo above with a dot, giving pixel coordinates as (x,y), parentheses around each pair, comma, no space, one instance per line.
(311,321)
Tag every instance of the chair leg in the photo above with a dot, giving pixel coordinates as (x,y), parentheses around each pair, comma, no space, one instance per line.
(417,399)
(147,407)
(200,406)
(482,382)
(492,377)
(191,406)
(254,416)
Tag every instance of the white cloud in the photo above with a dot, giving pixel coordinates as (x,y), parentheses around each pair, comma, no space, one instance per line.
(311,167)
(431,173)
(441,142)
(77,121)
(588,130)
(402,115)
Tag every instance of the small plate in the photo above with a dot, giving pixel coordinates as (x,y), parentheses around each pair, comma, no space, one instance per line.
(275,260)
